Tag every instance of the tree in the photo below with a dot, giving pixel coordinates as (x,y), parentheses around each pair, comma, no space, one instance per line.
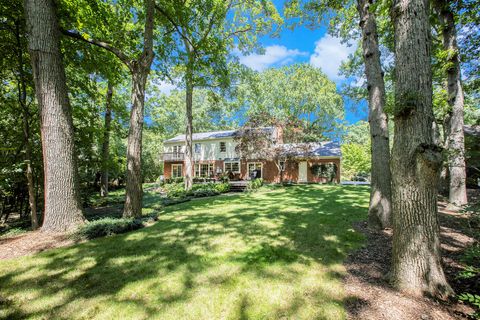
(416,160)
(139,66)
(106,141)
(62,198)
(379,211)
(205,37)
(298,91)
(453,123)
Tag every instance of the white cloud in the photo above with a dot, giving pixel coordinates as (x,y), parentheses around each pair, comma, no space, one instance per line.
(164,86)
(329,54)
(274,54)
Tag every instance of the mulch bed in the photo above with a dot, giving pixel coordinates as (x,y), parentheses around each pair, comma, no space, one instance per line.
(372,297)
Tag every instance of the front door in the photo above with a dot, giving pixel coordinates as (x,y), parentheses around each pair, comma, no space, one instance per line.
(302,171)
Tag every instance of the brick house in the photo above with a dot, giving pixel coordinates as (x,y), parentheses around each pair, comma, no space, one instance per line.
(214,155)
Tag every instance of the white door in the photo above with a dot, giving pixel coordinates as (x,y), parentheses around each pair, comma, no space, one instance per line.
(302,171)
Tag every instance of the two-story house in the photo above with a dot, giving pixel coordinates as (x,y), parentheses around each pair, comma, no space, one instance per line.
(214,154)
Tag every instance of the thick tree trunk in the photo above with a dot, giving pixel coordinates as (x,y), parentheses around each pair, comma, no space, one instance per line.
(140,70)
(134,190)
(416,160)
(379,212)
(62,197)
(106,142)
(455,141)
(188,138)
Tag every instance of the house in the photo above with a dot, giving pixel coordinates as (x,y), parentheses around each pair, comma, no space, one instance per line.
(214,155)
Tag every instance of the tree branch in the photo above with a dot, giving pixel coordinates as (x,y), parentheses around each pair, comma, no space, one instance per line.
(102,44)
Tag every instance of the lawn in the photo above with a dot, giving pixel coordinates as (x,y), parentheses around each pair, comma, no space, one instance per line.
(273,254)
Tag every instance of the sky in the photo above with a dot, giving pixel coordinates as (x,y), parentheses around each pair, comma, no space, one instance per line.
(303,45)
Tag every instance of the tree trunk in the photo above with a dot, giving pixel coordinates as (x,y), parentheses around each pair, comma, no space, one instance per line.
(188,137)
(379,212)
(455,141)
(22,97)
(134,190)
(106,142)
(140,70)
(416,160)
(62,197)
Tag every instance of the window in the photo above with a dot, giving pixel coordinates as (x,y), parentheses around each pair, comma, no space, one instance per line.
(204,169)
(233,167)
(177,153)
(282,165)
(255,170)
(177,170)
(198,147)
(223,147)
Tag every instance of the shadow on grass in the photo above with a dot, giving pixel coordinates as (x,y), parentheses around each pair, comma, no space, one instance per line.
(227,245)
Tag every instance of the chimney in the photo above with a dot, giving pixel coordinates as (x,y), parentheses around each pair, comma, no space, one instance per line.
(279,134)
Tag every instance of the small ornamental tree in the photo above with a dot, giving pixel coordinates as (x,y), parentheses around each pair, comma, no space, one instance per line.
(263,137)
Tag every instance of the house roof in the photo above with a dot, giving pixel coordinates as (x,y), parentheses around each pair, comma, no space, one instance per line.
(210,135)
(313,149)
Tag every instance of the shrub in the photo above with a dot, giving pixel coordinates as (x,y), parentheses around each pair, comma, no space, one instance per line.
(106,227)
(254,184)
(175,190)
(222,187)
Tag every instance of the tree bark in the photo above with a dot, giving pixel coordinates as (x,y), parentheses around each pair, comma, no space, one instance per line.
(106,142)
(140,70)
(22,99)
(455,140)
(62,196)
(416,160)
(188,137)
(379,212)
(189,85)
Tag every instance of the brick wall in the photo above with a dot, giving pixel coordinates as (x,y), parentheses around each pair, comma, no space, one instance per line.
(270,172)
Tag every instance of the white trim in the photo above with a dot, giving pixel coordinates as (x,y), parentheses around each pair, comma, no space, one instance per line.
(177,165)
(261,168)
(233,161)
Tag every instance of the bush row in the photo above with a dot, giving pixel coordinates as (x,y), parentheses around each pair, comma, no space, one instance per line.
(176,190)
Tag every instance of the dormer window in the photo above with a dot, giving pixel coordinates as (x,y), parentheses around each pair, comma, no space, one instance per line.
(223,146)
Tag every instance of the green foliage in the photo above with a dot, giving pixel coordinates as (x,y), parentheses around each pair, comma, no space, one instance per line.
(254,184)
(222,187)
(356,159)
(472,299)
(107,227)
(298,91)
(175,190)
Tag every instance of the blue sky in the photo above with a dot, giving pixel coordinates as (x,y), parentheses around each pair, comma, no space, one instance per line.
(303,45)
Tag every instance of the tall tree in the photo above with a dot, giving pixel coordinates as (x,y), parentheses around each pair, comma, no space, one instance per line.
(139,65)
(62,197)
(379,211)
(416,160)
(454,136)
(106,141)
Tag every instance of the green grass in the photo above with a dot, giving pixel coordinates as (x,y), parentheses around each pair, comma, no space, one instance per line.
(273,254)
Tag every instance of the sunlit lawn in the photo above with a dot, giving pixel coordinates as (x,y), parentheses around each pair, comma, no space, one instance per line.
(274,254)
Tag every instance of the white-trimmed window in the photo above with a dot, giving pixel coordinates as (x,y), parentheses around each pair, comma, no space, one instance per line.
(254,167)
(282,165)
(177,170)
(198,148)
(203,170)
(223,146)
(231,166)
